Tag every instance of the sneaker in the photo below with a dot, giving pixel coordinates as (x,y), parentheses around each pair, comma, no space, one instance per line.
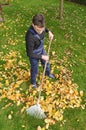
(34,86)
(51,76)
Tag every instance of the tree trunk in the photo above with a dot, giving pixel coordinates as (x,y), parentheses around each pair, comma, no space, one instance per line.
(1,14)
(61,9)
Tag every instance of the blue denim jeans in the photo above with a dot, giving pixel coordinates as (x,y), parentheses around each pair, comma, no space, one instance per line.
(34,68)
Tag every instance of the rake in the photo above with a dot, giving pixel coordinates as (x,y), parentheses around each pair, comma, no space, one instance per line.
(36,110)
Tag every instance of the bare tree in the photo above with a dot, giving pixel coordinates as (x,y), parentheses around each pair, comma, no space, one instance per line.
(61,9)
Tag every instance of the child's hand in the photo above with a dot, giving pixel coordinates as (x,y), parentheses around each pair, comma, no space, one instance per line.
(51,35)
(45,57)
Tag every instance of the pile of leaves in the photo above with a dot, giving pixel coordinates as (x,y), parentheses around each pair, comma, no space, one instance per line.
(57,95)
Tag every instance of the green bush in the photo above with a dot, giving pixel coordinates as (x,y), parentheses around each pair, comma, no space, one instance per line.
(78,1)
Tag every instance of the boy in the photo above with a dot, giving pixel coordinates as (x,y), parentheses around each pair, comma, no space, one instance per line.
(35,48)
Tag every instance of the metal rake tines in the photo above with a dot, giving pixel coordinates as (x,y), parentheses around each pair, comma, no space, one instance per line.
(36,112)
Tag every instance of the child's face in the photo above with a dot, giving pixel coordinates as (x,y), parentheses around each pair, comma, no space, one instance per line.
(39,30)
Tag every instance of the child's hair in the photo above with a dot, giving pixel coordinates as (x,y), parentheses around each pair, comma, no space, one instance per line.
(39,20)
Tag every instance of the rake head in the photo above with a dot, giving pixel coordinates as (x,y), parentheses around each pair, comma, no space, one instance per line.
(36,111)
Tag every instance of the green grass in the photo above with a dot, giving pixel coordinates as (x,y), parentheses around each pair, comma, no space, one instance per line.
(69,36)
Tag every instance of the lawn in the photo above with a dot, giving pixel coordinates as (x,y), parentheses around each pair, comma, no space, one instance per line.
(62,99)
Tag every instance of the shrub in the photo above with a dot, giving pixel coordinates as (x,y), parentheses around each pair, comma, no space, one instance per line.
(78,1)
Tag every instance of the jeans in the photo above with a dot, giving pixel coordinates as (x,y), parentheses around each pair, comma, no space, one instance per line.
(34,68)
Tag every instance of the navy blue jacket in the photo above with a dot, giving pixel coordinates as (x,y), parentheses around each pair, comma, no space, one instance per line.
(33,43)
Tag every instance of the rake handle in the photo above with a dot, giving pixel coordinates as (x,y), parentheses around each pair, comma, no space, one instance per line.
(40,87)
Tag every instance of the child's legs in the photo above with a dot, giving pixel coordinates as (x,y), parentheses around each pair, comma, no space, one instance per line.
(34,69)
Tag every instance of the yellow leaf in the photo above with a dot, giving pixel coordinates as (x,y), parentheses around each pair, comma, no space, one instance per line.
(6,82)
(47,120)
(1,85)
(47,81)
(9,104)
(53,53)
(57,76)
(81,93)
(16,85)
(19,82)
(47,126)
(23,126)
(61,118)
(39,128)
(9,116)
(22,110)
(18,103)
